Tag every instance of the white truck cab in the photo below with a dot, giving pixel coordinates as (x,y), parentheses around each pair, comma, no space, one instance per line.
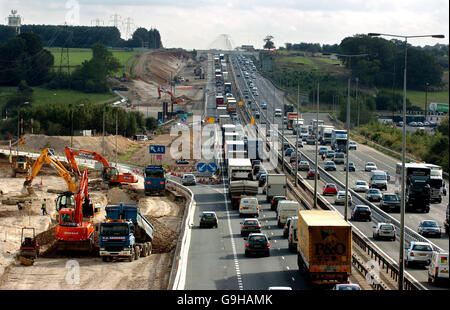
(285,210)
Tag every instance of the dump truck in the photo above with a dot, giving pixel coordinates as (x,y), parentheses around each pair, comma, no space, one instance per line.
(324,248)
(20,164)
(125,233)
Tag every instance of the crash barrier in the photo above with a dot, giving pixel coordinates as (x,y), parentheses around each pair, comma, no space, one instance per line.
(178,270)
(409,284)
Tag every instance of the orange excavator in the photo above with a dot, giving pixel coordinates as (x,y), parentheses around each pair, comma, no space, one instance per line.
(172,97)
(109,173)
(75,229)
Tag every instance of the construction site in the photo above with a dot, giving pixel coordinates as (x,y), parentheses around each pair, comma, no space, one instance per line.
(22,219)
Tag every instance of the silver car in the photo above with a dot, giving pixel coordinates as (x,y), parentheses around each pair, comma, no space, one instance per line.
(384,230)
(418,253)
(429,228)
(374,194)
(340,198)
(361,186)
(370,166)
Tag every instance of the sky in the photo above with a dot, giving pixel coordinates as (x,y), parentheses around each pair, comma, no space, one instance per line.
(198,24)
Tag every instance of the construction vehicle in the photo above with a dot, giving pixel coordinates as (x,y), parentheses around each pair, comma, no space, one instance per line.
(109,174)
(324,248)
(172,97)
(74,232)
(47,156)
(29,247)
(125,233)
(154,179)
(20,164)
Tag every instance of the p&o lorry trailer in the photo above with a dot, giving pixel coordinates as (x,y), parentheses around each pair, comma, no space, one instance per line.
(125,233)
(324,248)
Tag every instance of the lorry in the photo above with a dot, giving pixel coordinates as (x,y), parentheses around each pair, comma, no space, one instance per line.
(154,179)
(240,180)
(224,120)
(436,182)
(325,133)
(324,247)
(296,125)
(225,76)
(276,186)
(339,139)
(254,148)
(220,101)
(291,116)
(227,87)
(231,104)
(304,132)
(288,108)
(125,233)
(285,210)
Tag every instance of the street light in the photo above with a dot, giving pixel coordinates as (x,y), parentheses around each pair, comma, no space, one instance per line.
(403,202)
(348,131)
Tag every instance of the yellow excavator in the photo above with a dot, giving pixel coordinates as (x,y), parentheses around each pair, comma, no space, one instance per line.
(66,199)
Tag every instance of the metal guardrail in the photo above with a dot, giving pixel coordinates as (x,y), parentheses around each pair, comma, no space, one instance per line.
(175,277)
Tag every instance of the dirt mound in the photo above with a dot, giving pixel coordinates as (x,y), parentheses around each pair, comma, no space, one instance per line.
(94,144)
(165,239)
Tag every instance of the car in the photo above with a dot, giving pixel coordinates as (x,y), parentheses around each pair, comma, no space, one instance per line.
(390,201)
(352,145)
(300,143)
(419,124)
(278,113)
(340,198)
(274,202)
(311,174)
(288,152)
(286,145)
(286,227)
(257,114)
(413,124)
(384,230)
(257,243)
(400,124)
(182,162)
(323,150)
(339,158)
(374,194)
(303,165)
(361,186)
(250,225)
(429,228)
(330,166)
(260,173)
(351,167)
(347,287)
(284,120)
(255,93)
(310,140)
(426,124)
(370,166)
(257,168)
(330,154)
(188,179)
(418,253)
(361,212)
(208,219)
(263,106)
(330,189)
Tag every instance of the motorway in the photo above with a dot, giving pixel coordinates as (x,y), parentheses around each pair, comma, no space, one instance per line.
(216,257)
(363,154)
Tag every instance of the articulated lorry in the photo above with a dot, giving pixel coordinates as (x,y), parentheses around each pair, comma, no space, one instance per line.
(241,180)
(339,139)
(325,133)
(324,248)
(125,233)
(276,186)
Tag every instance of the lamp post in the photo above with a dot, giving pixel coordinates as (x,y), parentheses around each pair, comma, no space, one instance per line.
(403,202)
(348,131)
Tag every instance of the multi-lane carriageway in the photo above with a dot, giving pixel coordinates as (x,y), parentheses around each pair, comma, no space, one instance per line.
(216,257)
(360,157)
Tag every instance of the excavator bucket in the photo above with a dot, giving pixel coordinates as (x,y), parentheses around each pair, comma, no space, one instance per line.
(27,261)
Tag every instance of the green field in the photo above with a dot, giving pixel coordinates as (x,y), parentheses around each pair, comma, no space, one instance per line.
(299,60)
(46,96)
(417,97)
(78,55)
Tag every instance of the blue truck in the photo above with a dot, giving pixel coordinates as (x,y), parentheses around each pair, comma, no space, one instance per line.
(154,179)
(125,233)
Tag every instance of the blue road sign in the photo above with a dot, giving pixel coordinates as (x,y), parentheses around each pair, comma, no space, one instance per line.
(201,167)
(157,149)
(212,167)
(206,90)
(160,121)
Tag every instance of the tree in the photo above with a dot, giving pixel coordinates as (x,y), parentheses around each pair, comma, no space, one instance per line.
(269,43)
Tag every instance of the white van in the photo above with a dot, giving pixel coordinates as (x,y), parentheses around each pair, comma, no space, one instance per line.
(438,268)
(378,179)
(285,210)
(292,235)
(249,206)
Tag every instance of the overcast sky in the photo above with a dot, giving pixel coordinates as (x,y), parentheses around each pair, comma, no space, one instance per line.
(198,23)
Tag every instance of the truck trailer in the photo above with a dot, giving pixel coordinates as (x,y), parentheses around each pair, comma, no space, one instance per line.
(324,248)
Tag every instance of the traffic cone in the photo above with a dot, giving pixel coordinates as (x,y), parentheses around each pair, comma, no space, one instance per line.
(41,183)
(212,182)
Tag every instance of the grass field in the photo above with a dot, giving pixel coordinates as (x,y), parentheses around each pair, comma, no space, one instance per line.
(417,97)
(46,96)
(78,55)
(299,60)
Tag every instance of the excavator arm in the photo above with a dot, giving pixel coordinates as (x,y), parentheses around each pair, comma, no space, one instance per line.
(71,153)
(47,156)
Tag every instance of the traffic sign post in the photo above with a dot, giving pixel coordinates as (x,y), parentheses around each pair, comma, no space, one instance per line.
(157,149)
(201,167)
